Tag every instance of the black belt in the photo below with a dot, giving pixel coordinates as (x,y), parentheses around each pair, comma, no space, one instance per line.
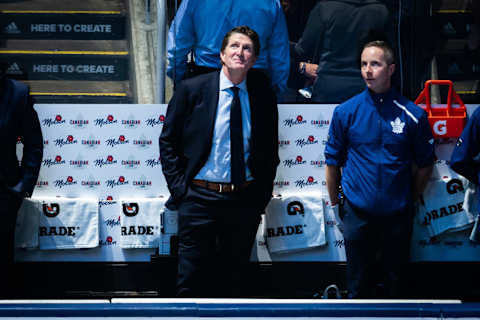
(221,187)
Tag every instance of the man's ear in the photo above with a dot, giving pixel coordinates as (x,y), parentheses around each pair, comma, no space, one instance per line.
(222,55)
(391,68)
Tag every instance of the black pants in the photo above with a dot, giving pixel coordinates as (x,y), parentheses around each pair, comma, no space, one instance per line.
(9,205)
(372,241)
(216,233)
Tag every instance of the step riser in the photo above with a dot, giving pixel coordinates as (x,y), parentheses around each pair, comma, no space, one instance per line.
(458,67)
(48,67)
(82,100)
(453,26)
(62,26)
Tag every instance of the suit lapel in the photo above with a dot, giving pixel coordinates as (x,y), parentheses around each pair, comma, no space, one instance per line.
(254,100)
(212,96)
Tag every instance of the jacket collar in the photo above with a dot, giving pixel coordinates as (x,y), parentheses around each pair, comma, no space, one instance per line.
(379,99)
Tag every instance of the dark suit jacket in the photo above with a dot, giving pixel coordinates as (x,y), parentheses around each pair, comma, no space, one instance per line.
(186,138)
(19,119)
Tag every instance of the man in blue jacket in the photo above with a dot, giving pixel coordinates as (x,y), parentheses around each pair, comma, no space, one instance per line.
(466,155)
(199,27)
(18,120)
(384,146)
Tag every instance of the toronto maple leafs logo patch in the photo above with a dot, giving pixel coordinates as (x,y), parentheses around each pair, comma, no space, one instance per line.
(397,126)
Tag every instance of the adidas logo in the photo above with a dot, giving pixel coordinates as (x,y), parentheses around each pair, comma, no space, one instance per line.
(454,69)
(11,28)
(14,69)
(449,29)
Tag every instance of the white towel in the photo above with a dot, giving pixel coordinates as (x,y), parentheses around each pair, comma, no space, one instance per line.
(295,222)
(68,223)
(140,223)
(28,219)
(447,206)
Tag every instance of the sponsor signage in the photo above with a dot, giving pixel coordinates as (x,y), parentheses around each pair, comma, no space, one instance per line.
(62,26)
(67,67)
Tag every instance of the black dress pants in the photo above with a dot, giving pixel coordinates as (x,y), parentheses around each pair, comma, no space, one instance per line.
(372,241)
(9,205)
(216,233)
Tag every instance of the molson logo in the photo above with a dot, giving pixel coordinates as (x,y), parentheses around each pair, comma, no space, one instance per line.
(305,142)
(105,162)
(60,142)
(112,142)
(293,122)
(107,242)
(302,183)
(112,183)
(107,202)
(153,162)
(112,222)
(283,143)
(53,162)
(107,121)
(69,181)
(339,243)
(48,122)
(152,122)
(320,123)
(294,162)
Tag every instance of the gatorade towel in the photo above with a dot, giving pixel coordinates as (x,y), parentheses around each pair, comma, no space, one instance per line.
(295,222)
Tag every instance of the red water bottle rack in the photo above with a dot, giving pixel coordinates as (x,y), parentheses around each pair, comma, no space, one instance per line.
(446,122)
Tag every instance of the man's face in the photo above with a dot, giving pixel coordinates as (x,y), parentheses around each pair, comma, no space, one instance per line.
(239,54)
(375,70)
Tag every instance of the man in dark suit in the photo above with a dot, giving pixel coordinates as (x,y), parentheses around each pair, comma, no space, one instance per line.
(18,120)
(219,153)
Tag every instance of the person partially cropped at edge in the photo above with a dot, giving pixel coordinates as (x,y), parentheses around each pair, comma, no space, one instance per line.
(219,154)
(18,120)
(465,159)
(380,150)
